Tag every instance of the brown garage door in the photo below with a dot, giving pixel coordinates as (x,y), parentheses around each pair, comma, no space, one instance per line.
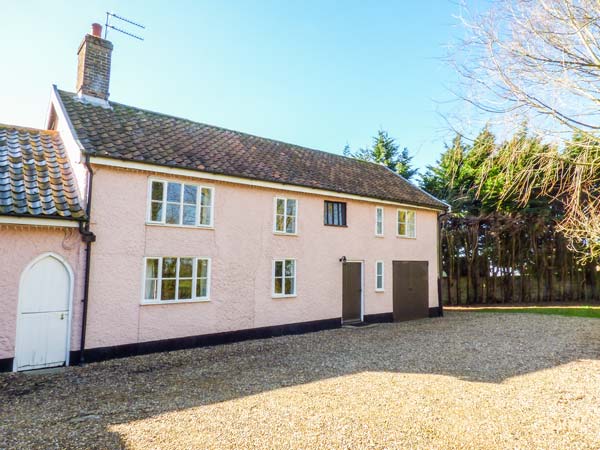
(411,290)
(352,291)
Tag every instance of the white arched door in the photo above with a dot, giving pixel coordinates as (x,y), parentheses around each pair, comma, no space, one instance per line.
(43,317)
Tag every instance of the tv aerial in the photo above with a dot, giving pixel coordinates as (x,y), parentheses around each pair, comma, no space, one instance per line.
(112,16)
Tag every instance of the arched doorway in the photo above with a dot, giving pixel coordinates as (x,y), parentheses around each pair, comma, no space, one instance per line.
(43,321)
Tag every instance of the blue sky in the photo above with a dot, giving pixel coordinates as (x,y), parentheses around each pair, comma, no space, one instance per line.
(316,73)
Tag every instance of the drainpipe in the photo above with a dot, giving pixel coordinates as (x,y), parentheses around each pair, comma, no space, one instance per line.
(439,251)
(88,237)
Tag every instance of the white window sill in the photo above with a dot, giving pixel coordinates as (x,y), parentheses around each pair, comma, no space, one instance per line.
(283,296)
(174,225)
(399,236)
(283,233)
(175,302)
(379,236)
(380,291)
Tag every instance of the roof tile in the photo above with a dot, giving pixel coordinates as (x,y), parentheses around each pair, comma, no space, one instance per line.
(133,134)
(32,182)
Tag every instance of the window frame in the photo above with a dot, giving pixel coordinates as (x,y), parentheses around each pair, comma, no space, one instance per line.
(283,278)
(377,209)
(162,222)
(159,278)
(285,216)
(344,213)
(414,227)
(377,265)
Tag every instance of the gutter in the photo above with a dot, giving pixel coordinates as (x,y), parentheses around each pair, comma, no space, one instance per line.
(28,219)
(88,237)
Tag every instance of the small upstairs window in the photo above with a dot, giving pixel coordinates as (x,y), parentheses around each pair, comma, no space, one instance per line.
(406,223)
(335,214)
(379,221)
(180,204)
(285,215)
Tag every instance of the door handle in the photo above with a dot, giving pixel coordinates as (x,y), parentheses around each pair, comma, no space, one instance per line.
(62,316)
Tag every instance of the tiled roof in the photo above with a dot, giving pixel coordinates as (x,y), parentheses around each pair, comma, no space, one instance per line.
(134,134)
(36,179)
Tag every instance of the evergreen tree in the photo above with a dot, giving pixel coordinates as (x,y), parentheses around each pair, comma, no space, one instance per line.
(445,179)
(386,151)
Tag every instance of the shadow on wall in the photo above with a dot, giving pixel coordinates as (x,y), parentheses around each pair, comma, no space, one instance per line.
(484,348)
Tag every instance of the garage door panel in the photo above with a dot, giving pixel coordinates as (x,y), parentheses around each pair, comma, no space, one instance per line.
(411,290)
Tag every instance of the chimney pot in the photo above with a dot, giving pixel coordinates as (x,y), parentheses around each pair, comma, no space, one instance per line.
(96,30)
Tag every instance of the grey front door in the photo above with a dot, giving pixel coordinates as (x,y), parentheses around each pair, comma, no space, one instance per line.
(352,291)
(411,290)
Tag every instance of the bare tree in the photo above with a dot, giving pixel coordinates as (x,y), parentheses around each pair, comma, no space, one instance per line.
(539,61)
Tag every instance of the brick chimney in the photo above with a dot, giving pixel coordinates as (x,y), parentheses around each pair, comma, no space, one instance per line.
(93,68)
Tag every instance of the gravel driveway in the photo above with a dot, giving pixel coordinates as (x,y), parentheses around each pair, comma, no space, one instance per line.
(468,380)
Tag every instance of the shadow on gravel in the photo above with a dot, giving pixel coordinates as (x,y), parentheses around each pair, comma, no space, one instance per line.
(75,408)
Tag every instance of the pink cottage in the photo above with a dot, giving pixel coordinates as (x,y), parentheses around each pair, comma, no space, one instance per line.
(125,231)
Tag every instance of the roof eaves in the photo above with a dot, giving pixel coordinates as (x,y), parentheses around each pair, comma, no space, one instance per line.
(306,186)
(42,216)
(442,208)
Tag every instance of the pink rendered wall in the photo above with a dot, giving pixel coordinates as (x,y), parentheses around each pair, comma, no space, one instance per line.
(19,245)
(242,246)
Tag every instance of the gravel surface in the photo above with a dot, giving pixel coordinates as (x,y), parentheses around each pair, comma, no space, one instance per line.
(468,380)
